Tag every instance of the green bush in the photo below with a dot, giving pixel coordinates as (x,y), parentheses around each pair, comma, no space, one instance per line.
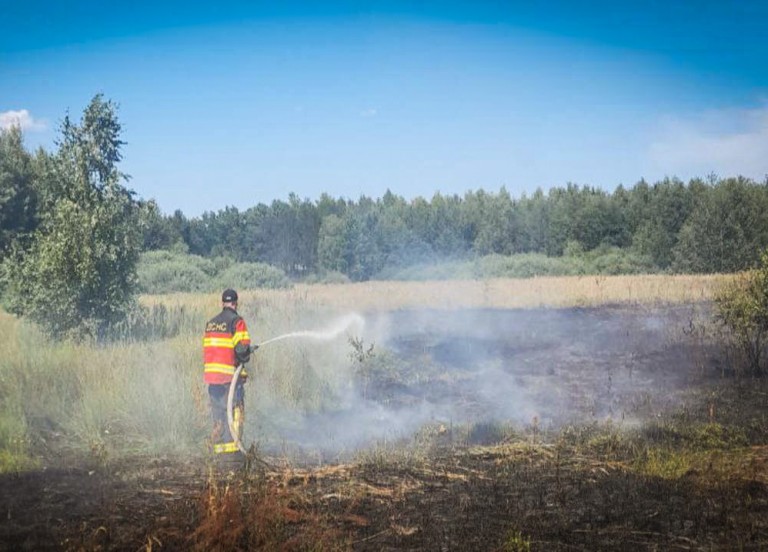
(253,276)
(525,265)
(742,306)
(614,260)
(169,272)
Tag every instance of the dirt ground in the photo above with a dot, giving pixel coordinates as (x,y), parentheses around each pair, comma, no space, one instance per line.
(599,458)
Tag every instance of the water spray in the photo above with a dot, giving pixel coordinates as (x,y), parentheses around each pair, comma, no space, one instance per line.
(338,327)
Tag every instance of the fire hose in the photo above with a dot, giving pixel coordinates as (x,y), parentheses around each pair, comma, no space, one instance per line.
(231,402)
(340,326)
(230,409)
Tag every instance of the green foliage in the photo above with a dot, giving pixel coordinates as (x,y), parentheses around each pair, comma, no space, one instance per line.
(170,272)
(573,248)
(614,260)
(253,276)
(331,247)
(726,230)
(516,542)
(700,226)
(18,197)
(173,272)
(525,265)
(158,232)
(497,223)
(656,214)
(78,275)
(664,463)
(694,435)
(742,306)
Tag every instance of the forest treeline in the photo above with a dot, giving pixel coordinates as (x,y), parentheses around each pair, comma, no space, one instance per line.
(59,209)
(712,225)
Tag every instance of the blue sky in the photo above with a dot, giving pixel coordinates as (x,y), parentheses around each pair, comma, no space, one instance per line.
(241,103)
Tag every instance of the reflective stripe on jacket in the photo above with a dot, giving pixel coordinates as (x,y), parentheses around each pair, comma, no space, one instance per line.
(226,344)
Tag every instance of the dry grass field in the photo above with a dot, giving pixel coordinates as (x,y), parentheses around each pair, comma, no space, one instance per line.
(566,291)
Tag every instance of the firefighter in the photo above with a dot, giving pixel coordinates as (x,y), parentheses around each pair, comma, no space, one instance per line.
(226,344)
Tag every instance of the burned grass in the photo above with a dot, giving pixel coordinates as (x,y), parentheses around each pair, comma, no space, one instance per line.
(685,483)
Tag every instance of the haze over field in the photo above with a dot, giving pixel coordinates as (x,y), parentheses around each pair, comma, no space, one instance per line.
(241,103)
(416,368)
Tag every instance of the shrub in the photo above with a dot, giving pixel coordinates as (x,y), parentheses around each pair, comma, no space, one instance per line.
(524,265)
(742,306)
(614,260)
(168,272)
(252,276)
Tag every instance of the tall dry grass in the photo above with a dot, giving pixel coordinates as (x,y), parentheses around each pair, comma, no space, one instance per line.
(109,400)
(565,291)
(62,398)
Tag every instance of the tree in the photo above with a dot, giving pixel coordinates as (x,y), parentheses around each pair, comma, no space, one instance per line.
(535,215)
(657,215)
(497,226)
(332,244)
(79,275)
(447,238)
(158,232)
(742,306)
(18,199)
(726,230)
(306,228)
(359,243)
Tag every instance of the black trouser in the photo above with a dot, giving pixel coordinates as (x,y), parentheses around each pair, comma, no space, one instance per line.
(223,442)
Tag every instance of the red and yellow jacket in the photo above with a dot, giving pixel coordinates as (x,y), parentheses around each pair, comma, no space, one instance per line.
(226,344)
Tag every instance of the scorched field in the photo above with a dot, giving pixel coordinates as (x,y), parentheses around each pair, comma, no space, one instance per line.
(499,415)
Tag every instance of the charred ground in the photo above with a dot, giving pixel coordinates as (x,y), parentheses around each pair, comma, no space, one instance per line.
(572,429)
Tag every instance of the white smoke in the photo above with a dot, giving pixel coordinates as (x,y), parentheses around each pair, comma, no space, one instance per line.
(548,367)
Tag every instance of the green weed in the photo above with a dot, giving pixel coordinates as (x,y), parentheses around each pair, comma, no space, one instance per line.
(516,542)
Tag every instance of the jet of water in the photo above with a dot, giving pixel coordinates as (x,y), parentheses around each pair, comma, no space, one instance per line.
(337,327)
